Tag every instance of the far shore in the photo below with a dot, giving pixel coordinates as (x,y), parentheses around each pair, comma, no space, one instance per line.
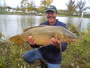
(40,14)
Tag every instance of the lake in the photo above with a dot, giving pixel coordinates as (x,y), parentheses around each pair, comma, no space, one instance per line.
(11,25)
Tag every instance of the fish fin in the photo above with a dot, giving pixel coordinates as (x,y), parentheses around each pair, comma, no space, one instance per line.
(16,39)
(33,27)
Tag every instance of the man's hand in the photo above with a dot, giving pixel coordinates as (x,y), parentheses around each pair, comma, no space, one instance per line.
(31,40)
(54,42)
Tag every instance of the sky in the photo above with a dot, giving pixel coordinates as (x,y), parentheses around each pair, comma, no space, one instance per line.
(60,4)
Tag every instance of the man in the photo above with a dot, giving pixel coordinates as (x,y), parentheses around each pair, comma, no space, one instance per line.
(51,53)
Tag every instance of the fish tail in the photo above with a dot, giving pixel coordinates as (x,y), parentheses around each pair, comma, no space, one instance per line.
(16,39)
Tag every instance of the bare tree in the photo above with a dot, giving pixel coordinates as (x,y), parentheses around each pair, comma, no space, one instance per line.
(81,5)
(71,7)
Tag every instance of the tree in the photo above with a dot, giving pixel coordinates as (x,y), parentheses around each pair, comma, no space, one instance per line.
(44,4)
(23,5)
(81,5)
(29,5)
(17,8)
(71,7)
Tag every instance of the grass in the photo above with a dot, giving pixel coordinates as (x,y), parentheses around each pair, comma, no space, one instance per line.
(78,53)
(11,55)
(85,16)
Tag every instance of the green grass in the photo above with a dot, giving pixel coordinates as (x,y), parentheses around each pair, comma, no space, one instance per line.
(78,53)
(11,55)
(85,16)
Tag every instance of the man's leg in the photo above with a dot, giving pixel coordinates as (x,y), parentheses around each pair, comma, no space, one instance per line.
(31,55)
(53,65)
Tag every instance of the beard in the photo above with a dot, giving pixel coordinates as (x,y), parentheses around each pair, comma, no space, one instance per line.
(50,17)
(51,20)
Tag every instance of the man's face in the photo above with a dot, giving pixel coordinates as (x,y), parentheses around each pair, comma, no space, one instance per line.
(51,16)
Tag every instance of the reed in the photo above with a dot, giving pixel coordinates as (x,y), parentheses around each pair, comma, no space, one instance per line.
(78,53)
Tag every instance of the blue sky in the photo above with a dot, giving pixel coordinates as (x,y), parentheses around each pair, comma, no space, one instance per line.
(60,4)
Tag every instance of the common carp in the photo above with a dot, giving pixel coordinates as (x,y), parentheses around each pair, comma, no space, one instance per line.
(43,34)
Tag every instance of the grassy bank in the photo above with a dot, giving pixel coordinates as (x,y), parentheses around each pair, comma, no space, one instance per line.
(85,16)
(21,13)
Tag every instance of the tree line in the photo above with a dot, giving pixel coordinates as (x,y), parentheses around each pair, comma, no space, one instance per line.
(30,5)
(72,6)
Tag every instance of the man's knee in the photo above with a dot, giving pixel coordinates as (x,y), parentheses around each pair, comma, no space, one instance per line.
(24,57)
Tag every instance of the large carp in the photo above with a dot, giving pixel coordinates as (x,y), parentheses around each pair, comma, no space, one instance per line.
(43,34)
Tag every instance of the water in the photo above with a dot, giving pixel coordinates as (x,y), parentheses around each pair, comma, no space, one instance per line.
(11,25)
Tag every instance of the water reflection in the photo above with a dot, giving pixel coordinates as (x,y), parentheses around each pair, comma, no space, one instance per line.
(28,21)
(76,21)
(11,25)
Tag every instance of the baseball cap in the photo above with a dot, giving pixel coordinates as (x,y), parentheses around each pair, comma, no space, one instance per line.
(51,8)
